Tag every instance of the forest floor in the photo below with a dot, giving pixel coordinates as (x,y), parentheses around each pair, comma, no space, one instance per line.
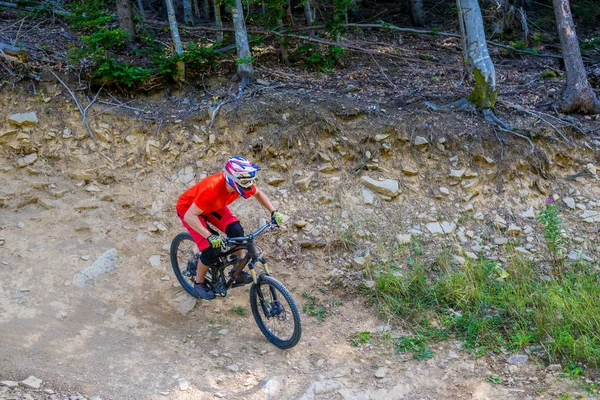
(131,333)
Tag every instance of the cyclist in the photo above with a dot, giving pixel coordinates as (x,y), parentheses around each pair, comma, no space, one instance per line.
(207,201)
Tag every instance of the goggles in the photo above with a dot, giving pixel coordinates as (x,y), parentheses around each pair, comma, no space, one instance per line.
(246,182)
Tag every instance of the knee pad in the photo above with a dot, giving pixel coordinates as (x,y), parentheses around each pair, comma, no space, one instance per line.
(209,256)
(234,229)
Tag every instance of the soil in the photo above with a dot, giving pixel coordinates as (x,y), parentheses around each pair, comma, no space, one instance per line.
(120,336)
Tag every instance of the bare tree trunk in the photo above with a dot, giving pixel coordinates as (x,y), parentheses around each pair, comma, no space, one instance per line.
(577,95)
(283,44)
(125,15)
(188,17)
(218,21)
(484,93)
(196,9)
(308,14)
(206,9)
(140,5)
(467,74)
(180,74)
(417,12)
(244,61)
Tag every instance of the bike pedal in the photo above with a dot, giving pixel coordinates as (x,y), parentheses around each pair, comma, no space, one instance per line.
(238,284)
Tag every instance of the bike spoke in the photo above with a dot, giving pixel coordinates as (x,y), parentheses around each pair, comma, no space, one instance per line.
(278,319)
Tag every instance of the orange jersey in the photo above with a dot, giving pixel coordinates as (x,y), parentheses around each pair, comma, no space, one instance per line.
(209,195)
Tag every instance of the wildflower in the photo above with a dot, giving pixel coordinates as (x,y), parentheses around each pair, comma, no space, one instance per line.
(549,201)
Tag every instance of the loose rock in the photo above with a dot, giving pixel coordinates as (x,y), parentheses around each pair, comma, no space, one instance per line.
(24,119)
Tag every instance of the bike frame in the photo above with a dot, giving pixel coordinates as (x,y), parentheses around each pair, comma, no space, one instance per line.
(251,257)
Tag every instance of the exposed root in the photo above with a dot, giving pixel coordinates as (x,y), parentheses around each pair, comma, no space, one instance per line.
(241,88)
(491,118)
(488,116)
(458,105)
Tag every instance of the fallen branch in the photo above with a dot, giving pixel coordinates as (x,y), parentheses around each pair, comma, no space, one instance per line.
(17,54)
(33,9)
(241,88)
(82,110)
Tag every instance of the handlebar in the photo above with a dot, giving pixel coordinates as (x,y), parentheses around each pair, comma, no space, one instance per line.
(239,240)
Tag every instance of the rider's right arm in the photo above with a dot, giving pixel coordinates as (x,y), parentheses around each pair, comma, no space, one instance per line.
(191,218)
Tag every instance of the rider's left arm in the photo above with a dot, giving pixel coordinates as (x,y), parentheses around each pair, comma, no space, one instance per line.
(264,200)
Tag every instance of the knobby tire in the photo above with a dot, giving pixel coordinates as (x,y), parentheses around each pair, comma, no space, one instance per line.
(271,287)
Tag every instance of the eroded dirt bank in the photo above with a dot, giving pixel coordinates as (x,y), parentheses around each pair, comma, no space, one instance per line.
(122,335)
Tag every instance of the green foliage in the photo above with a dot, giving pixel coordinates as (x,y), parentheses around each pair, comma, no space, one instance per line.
(588,10)
(416,345)
(360,338)
(590,43)
(316,308)
(109,70)
(500,308)
(549,74)
(551,223)
(239,311)
(519,44)
(313,57)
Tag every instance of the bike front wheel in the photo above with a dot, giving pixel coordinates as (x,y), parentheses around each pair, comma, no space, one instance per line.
(275,312)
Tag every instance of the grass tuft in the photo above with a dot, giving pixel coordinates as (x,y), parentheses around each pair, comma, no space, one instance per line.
(495,308)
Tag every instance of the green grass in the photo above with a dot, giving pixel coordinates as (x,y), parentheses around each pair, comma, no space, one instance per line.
(498,308)
(239,311)
(314,307)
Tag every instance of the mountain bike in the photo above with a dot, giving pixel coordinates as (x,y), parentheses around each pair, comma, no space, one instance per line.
(272,305)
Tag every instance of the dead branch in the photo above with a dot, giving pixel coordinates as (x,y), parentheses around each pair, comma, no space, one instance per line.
(493,120)
(33,9)
(82,110)
(17,54)
(241,88)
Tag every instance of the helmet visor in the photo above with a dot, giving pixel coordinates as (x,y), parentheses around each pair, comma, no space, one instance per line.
(246,182)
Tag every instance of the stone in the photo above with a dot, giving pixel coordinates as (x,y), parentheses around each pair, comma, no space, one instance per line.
(590,216)
(233,368)
(368,196)
(183,302)
(154,260)
(275,180)
(27,160)
(186,174)
(591,168)
(86,205)
(444,190)
(457,173)
(8,132)
(223,332)
(570,202)
(500,222)
(380,137)
(500,241)
(304,183)
(327,169)
(358,262)
(529,213)
(513,230)
(320,362)
(441,228)
(380,373)
(92,188)
(9,384)
(409,171)
(107,262)
(420,141)
(32,382)
(517,359)
(184,385)
(24,119)
(300,224)
(403,238)
(387,187)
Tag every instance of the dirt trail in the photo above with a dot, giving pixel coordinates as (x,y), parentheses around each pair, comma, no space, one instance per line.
(120,336)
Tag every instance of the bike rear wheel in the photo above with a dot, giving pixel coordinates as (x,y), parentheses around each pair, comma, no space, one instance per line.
(275,312)
(184,260)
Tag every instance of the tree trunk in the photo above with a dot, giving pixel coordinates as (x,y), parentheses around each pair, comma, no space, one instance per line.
(188,16)
(125,15)
(577,95)
(283,44)
(484,93)
(196,8)
(218,21)
(244,61)
(140,5)
(308,14)
(180,74)
(206,9)
(417,12)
